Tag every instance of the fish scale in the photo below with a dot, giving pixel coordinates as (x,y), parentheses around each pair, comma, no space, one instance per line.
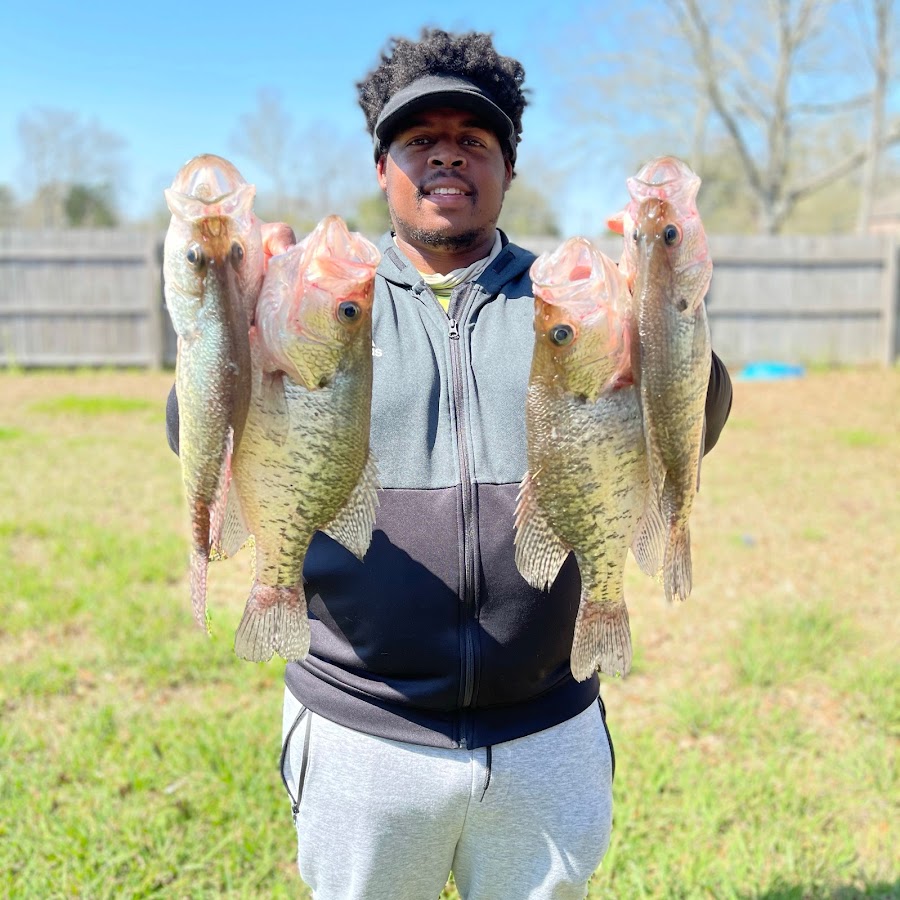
(591,484)
(587,483)
(304,462)
(673,355)
(213,269)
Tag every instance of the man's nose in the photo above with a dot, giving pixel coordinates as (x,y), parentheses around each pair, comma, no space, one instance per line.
(446,159)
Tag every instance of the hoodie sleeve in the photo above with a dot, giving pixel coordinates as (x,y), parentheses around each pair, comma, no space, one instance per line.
(172,419)
(718,402)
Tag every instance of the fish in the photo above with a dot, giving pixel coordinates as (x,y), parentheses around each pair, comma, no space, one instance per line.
(213,265)
(586,486)
(304,463)
(666,257)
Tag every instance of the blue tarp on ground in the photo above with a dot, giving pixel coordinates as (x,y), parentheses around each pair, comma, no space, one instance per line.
(769,371)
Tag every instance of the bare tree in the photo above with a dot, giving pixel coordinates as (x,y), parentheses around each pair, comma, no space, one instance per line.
(527,211)
(880,58)
(771,99)
(313,170)
(335,171)
(741,100)
(8,210)
(266,137)
(61,150)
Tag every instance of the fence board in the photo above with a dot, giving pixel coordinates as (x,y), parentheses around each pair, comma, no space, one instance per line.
(80,297)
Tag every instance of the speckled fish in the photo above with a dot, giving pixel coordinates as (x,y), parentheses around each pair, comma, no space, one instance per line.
(667,256)
(587,482)
(213,271)
(303,463)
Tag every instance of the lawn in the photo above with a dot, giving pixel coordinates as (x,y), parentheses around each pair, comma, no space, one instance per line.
(757,737)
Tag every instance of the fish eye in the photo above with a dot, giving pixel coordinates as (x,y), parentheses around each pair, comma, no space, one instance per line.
(348,311)
(561,335)
(672,235)
(634,235)
(237,254)
(194,255)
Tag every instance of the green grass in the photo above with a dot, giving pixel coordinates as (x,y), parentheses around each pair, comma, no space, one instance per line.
(78,405)
(778,645)
(859,437)
(756,739)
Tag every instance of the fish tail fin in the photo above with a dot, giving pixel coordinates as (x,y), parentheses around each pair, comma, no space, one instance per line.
(677,569)
(602,639)
(199,563)
(292,631)
(274,620)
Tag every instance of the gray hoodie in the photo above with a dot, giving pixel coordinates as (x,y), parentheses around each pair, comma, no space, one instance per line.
(435,638)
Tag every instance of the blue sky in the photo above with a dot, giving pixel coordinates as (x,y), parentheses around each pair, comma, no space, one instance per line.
(173,78)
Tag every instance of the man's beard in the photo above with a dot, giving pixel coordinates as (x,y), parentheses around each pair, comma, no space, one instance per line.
(440,240)
(435,237)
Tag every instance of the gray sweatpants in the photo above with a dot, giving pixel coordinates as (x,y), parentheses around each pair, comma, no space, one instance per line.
(527,819)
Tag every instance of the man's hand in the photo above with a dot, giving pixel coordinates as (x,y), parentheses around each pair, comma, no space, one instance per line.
(277,237)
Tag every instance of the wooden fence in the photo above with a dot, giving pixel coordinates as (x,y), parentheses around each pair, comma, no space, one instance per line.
(81,298)
(86,298)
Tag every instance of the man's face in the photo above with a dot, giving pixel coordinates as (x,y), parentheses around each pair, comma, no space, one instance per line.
(444,176)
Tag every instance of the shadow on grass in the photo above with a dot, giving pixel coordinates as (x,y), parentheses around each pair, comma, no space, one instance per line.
(880,891)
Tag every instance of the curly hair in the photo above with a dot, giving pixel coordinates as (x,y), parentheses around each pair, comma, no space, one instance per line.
(471,55)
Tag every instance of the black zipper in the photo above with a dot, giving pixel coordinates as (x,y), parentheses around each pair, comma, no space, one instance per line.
(467,588)
(304,759)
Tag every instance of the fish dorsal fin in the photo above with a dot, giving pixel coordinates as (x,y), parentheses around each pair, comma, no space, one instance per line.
(352,526)
(539,552)
(649,543)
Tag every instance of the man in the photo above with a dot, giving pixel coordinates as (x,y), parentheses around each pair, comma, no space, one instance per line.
(435,724)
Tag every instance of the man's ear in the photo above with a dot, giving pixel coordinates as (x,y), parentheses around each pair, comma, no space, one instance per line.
(510,174)
(379,171)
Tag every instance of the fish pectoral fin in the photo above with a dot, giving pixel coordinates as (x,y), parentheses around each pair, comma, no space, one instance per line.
(352,526)
(649,542)
(602,639)
(234,533)
(273,408)
(228,532)
(656,467)
(539,552)
(702,451)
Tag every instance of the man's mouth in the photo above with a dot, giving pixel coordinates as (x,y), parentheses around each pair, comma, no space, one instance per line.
(446,190)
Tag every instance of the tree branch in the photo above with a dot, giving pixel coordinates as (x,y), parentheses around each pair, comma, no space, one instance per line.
(857,102)
(696,30)
(847,165)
